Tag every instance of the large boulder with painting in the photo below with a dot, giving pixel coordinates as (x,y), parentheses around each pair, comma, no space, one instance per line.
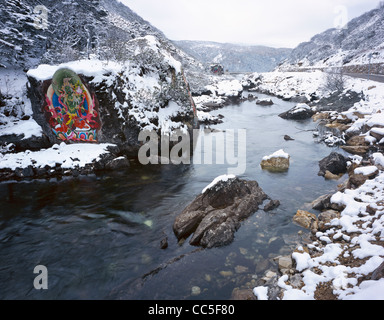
(109,102)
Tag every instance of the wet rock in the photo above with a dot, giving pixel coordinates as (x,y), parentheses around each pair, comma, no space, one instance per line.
(242,294)
(271,205)
(264,102)
(322,203)
(164,243)
(330,176)
(195,291)
(285,263)
(279,161)
(215,215)
(117,163)
(288,138)
(335,163)
(306,220)
(241,269)
(300,112)
(226,274)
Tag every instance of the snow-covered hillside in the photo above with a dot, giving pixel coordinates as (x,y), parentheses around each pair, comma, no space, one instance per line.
(53,32)
(235,58)
(361,42)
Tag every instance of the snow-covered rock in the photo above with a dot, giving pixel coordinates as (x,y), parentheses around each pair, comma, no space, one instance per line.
(276,161)
(146,93)
(300,112)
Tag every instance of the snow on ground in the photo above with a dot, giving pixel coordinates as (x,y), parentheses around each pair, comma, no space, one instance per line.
(13,84)
(68,156)
(291,84)
(344,256)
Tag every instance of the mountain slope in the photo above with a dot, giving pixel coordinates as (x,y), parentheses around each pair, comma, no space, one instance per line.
(235,58)
(349,46)
(46,31)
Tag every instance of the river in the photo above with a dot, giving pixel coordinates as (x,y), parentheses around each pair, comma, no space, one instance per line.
(99,236)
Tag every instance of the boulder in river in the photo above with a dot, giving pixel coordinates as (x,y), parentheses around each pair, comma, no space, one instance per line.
(216,214)
(279,161)
(335,163)
(300,112)
(264,102)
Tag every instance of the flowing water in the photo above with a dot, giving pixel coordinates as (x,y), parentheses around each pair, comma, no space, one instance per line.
(99,236)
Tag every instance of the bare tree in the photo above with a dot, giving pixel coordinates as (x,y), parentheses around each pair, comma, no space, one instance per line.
(334,81)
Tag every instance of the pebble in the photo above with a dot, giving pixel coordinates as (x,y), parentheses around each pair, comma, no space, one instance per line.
(196,291)
(241,269)
(226,273)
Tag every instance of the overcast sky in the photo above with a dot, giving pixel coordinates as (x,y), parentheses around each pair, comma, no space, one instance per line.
(275,23)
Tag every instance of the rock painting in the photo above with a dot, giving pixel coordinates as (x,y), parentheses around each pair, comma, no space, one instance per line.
(70,108)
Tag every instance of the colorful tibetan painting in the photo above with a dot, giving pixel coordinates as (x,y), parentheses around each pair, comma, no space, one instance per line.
(71,109)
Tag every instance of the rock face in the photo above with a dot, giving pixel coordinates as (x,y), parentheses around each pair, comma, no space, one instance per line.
(335,163)
(215,215)
(300,112)
(148,92)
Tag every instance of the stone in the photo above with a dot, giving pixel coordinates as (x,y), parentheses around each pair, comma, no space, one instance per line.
(164,243)
(288,138)
(271,205)
(226,274)
(325,218)
(242,294)
(378,273)
(195,291)
(357,141)
(300,112)
(320,116)
(241,269)
(356,180)
(277,164)
(330,176)
(335,163)
(323,202)
(215,215)
(264,102)
(306,219)
(279,161)
(269,275)
(359,150)
(117,163)
(285,263)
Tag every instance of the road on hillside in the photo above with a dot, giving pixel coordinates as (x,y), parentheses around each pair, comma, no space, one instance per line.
(373,77)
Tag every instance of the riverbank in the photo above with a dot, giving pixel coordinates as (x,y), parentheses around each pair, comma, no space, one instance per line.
(345,258)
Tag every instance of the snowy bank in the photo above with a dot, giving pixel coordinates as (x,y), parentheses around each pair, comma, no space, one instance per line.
(344,259)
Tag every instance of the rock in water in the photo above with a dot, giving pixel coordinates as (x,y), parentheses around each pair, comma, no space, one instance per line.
(215,215)
(264,102)
(279,161)
(301,112)
(335,163)
(288,138)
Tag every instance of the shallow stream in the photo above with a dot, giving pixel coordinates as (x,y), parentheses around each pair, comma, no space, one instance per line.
(99,236)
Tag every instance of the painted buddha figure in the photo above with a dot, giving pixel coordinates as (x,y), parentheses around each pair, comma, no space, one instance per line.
(72,110)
